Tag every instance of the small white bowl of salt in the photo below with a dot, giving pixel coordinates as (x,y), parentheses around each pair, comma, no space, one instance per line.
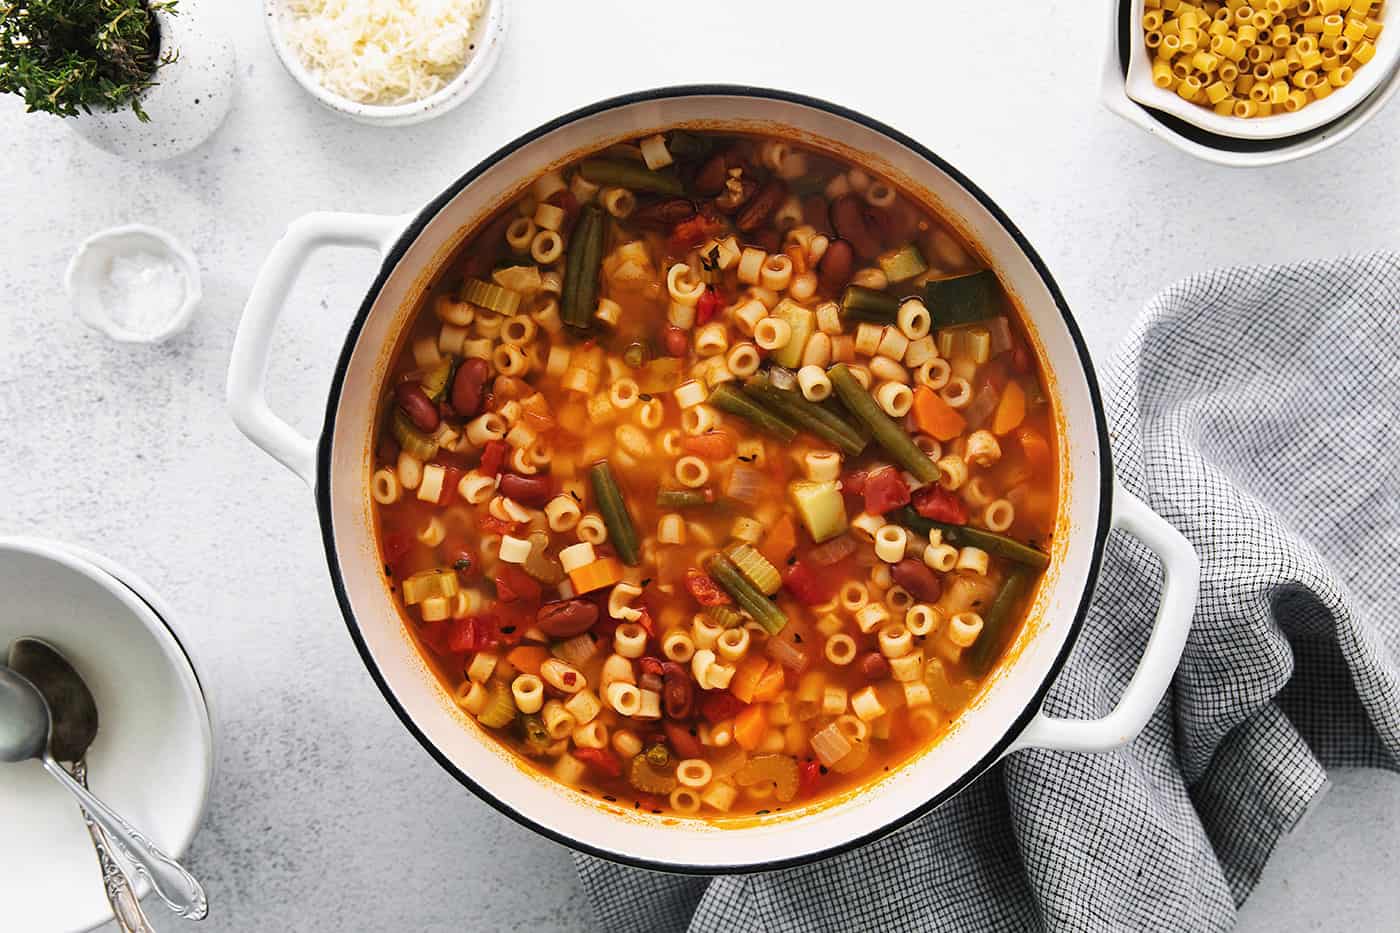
(134,283)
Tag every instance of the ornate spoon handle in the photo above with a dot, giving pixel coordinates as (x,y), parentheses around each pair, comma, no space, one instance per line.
(125,907)
(169,879)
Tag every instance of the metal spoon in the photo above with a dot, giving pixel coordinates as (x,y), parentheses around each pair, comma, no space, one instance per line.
(25,724)
(75,724)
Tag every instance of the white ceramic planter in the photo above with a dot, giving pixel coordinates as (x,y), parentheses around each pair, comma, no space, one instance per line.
(189,101)
(337,466)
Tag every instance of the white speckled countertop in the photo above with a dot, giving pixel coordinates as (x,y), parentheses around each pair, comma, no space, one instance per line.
(326,815)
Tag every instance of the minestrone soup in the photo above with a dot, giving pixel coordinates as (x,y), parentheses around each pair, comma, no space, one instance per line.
(715,475)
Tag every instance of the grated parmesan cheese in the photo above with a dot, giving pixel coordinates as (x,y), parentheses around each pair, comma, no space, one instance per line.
(383,51)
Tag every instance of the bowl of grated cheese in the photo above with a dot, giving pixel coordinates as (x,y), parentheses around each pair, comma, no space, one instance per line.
(387,62)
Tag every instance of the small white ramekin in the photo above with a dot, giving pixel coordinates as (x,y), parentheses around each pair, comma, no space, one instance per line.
(86,268)
(490,37)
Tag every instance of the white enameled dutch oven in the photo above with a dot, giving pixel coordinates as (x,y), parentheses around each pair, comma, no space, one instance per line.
(336,466)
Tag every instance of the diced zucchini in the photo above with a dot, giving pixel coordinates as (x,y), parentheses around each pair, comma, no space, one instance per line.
(524,280)
(434,381)
(802,323)
(491,297)
(499,710)
(963,299)
(429,583)
(821,508)
(902,263)
(411,440)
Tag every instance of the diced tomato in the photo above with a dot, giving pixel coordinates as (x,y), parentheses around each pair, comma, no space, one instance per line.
(451,476)
(494,457)
(705,590)
(854,482)
(646,622)
(807,584)
(707,307)
(939,504)
(682,742)
(564,200)
(492,525)
(397,544)
(712,445)
(387,451)
(600,760)
(719,705)
(513,584)
(461,636)
(689,234)
(809,774)
(651,666)
(885,490)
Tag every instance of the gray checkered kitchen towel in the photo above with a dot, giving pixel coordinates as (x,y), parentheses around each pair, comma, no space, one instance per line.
(1258,410)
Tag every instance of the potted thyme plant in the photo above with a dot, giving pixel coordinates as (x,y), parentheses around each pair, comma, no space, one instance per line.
(144,79)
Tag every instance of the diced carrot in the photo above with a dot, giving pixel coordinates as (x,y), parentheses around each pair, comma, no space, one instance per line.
(936,417)
(750,726)
(770,684)
(712,445)
(1037,451)
(1011,409)
(746,677)
(605,571)
(528,658)
(780,541)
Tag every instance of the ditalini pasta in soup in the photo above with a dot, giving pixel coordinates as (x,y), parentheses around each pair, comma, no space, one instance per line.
(715,475)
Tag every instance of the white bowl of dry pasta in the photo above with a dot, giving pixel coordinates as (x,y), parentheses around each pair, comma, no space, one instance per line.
(1283,69)
(713,480)
(391,63)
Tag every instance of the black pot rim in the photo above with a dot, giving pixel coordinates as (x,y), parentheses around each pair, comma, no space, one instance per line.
(431,210)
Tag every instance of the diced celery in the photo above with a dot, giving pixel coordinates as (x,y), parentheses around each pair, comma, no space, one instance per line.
(411,440)
(755,568)
(434,381)
(802,323)
(491,297)
(821,508)
(429,583)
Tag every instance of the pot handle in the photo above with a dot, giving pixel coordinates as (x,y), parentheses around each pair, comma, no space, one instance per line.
(1181,583)
(247,367)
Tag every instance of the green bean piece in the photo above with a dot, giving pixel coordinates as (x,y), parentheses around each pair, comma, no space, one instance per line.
(996,621)
(810,416)
(533,733)
(962,299)
(684,145)
(631,176)
(963,536)
(866,304)
(684,498)
(722,569)
(580,297)
(622,534)
(888,434)
(731,401)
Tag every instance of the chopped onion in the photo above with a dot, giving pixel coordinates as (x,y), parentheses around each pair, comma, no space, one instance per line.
(745,484)
(832,551)
(830,745)
(577,651)
(787,654)
(782,378)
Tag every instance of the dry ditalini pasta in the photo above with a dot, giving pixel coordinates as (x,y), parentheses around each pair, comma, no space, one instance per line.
(715,475)
(1256,59)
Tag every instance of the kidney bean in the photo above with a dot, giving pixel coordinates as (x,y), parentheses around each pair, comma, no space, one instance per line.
(873,666)
(533,491)
(416,404)
(677,342)
(387,451)
(665,213)
(468,387)
(918,579)
(734,197)
(761,207)
(682,742)
(677,694)
(835,267)
(816,212)
(567,619)
(709,180)
(650,682)
(859,223)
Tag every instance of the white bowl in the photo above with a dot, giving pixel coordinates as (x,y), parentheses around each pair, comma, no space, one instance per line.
(1006,717)
(1125,34)
(153,757)
(490,35)
(94,256)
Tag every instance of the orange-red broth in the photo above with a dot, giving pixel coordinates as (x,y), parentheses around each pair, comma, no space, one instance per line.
(749,750)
